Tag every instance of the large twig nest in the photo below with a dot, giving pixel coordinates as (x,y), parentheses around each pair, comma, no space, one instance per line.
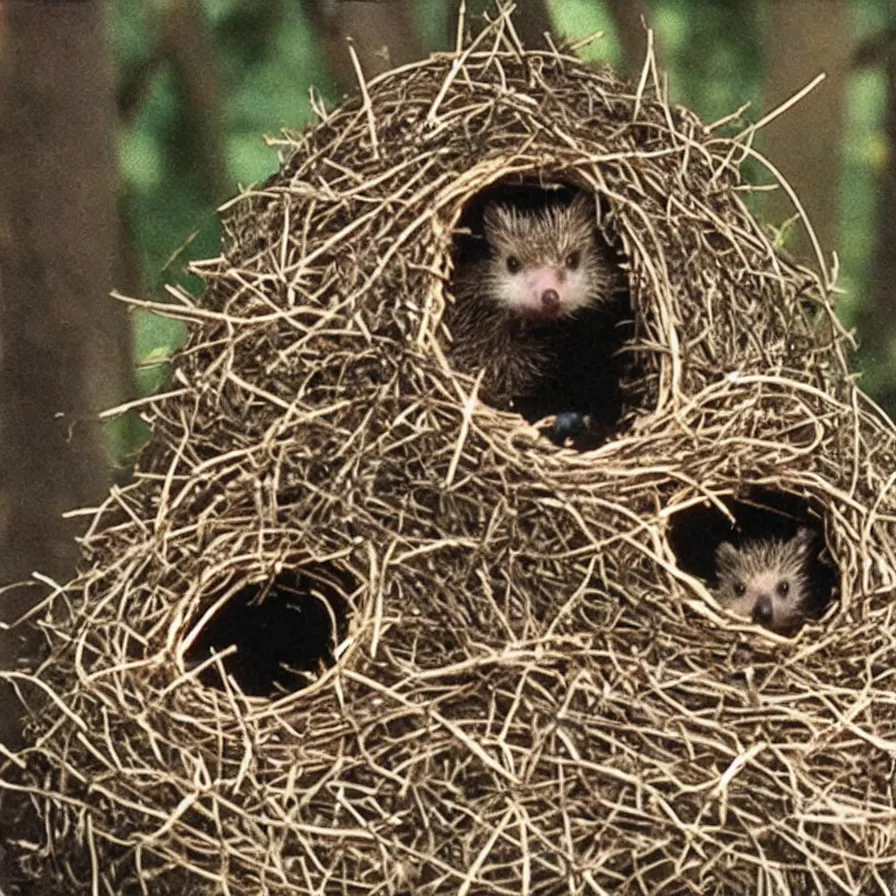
(507,674)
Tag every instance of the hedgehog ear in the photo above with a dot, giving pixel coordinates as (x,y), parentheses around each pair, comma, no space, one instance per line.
(726,555)
(582,205)
(803,539)
(495,218)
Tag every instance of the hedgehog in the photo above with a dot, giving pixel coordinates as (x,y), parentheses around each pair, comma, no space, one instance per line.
(532,315)
(767,580)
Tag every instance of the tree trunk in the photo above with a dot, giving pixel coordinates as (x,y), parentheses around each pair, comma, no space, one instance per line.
(877,322)
(384,35)
(531,20)
(186,44)
(64,344)
(805,37)
(632,18)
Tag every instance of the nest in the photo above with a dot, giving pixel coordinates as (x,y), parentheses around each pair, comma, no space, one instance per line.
(469,661)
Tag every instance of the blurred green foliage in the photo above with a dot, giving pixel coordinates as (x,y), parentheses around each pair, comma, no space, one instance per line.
(864,153)
(267,59)
(576,19)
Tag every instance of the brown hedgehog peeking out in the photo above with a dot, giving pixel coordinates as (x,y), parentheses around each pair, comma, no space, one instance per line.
(767,580)
(531,311)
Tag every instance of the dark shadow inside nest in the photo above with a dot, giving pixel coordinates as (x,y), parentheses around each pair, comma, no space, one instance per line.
(695,535)
(284,631)
(565,365)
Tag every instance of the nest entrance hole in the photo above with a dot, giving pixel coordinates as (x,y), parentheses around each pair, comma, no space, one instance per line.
(590,364)
(696,533)
(277,636)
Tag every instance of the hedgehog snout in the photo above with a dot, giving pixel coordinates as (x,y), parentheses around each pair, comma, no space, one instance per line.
(763,610)
(550,301)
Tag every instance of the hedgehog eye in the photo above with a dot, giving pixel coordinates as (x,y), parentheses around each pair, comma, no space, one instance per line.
(513,264)
(740,589)
(573,260)
(784,588)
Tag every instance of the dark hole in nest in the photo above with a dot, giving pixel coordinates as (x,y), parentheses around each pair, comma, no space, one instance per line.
(695,535)
(285,631)
(577,354)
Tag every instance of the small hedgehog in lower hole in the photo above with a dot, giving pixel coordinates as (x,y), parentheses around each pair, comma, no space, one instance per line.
(533,314)
(768,580)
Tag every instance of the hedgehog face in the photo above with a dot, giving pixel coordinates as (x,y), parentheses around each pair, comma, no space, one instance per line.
(545,265)
(766,580)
